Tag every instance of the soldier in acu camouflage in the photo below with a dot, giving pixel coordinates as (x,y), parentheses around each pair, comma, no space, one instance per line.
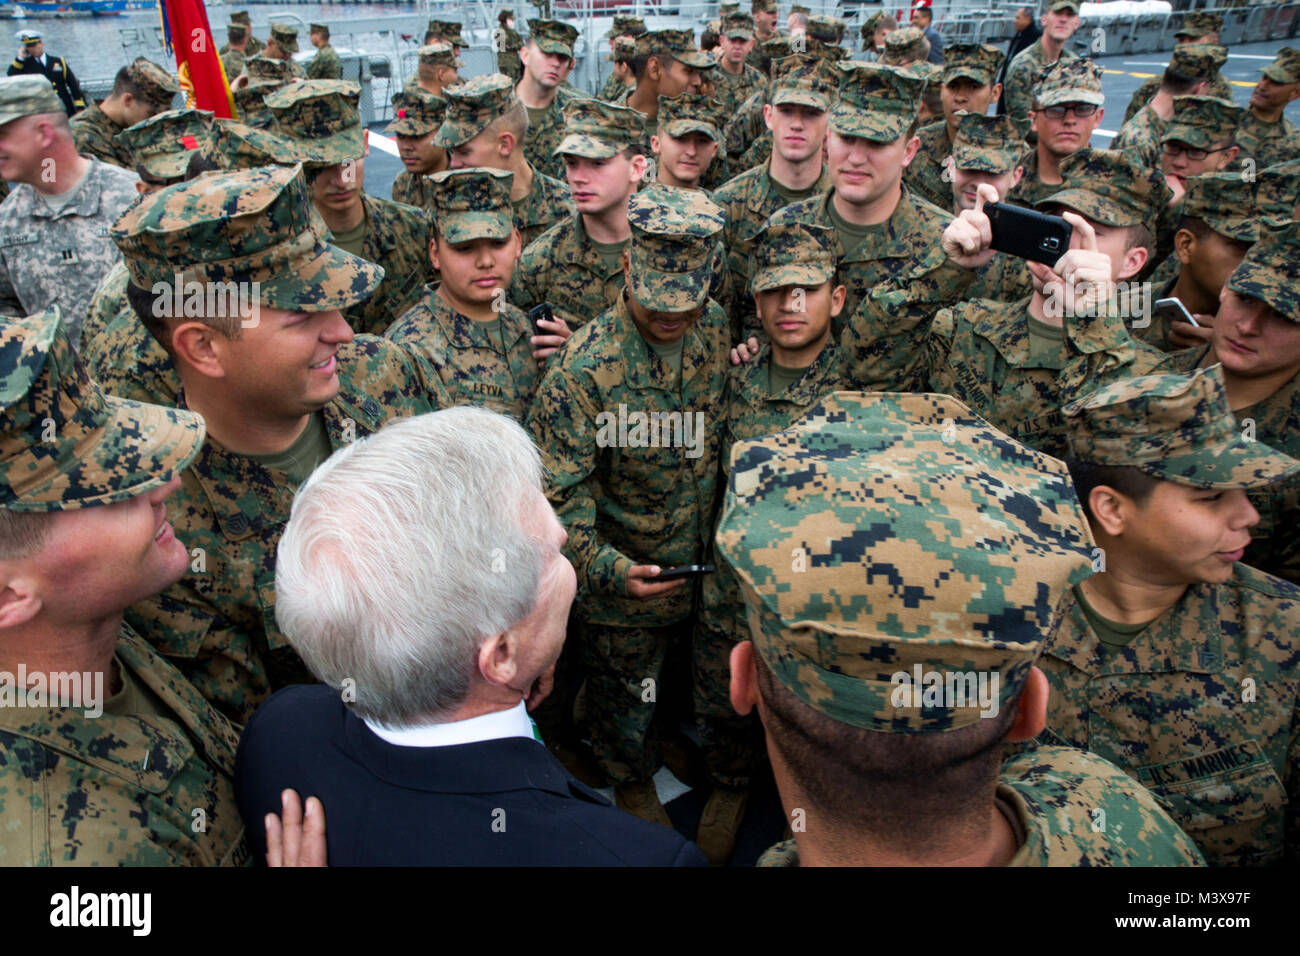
(321,118)
(1177,662)
(797,297)
(1059,23)
(1189,74)
(1074,87)
(464,331)
(1017,363)
(264,354)
(1196,28)
(128,765)
(141,89)
(803,89)
(847,685)
(626,420)
(968,85)
(486,125)
(54,244)
(881,229)
(417,115)
(547,57)
(1266,135)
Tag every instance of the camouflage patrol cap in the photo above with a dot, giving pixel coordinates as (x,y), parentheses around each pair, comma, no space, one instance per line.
(778,47)
(317,28)
(1110,187)
(974,61)
(827,51)
(793,254)
(1069,81)
(255,225)
(163,144)
(1285,67)
(250,102)
(763,6)
(624,49)
(692,113)
(439,54)
(800,8)
(263,67)
(803,80)
(740,26)
(156,85)
(726,8)
(674,234)
(826,29)
(26,96)
(905,45)
(1199,24)
(987,144)
(1198,60)
(472,105)
(240,16)
(236,145)
(1202,121)
(1225,202)
(236,31)
(626,26)
(1059,5)
(321,117)
(598,130)
(472,203)
(930,73)
(64,444)
(416,112)
(876,102)
(873,23)
(1177,428)
(286,36)
(899,533)
(447,30)
(679,44)
(553,36)
(1271,270)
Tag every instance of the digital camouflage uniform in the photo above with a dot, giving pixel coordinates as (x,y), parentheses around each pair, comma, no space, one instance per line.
(507,43)
(692,113)
(93,131)
(732,89)
(933,469)
(127,779)
(792,254)
(477,365)
(759,57)
(1200,707)
(1195,26)
(120,353)
(1271,143)
(615,88)
(325,65)
(46,256)
(163,144)
(255,46)
(551,36)
(1145,130)
(232,61)
(622,501)
(436,53)
(1067,81)
(748,125)
(1022,78)
(927,174)
(321,118)
(416,112)
(919,335)
(217,624)
(287,38)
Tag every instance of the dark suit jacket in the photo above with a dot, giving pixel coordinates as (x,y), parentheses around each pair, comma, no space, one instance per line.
(500,802)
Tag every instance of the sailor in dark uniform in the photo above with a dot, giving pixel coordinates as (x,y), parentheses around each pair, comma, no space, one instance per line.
(33,59)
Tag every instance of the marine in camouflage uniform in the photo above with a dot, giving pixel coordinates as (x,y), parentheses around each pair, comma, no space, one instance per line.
(1024,71)
(622,501)
(217,624)
(750,198)
(232,60)
(507,43)
(876,103)
(748,124)
(286,38)
(438,55)
(732,89)
(1165,701)
(926,174)
(255,46)
(415,113)
(1271,143)
(1011,368)
(95,132)
(759,57)
(325,65)
(479,363)
(49,256)
(1065,82)
(128,785)
(320,117)
(543,136)
(161,146)
(1194,28)
(931,466)
(615,89)
(471,108)
(1145,131)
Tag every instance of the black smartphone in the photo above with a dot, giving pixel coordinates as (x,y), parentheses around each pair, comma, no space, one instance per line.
(542,311)
(1171,310)
(1027,233)
(685,571)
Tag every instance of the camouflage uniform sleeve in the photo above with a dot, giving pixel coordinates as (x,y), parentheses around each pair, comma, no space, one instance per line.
(1099,350)
(562,422)
(881,351)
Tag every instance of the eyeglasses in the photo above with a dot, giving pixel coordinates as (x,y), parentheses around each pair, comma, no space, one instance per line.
(1173,148)
(1080,110)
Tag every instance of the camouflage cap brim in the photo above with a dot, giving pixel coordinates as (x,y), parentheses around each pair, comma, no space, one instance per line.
(1230,463)
(738,33)
(1091,206)
(344,146)
(806,274)
(876,125)
(453,133)
(412,126)
(1195,136)
(167,165)
(966,70)
(551,45)
(983,160)
(1279,74)
(318,277)
(1055,97)
(588,147)
(1261,280)
(795,96)
(667,291)
(680,127)
(696,58)
(454,227)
